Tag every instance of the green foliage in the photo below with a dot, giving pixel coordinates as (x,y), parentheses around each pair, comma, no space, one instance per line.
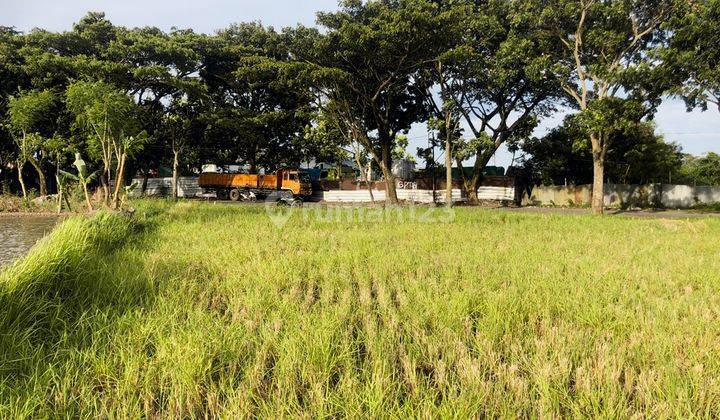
(610,115)
(637,156)
(606,42)
(400,150)
(80,177)
(495,73)
(101,108)
(261,105)
(606,64)
(703,170)
(31,112)
(250,94)
(467,148)
(693,54)
(326,138)
(106,116)
(368,60)
(30,115)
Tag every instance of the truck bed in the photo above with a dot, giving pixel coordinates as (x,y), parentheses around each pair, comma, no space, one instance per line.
(251,181)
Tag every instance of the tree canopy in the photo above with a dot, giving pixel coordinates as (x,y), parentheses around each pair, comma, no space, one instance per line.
(694,52)
(479,73)
(637,156)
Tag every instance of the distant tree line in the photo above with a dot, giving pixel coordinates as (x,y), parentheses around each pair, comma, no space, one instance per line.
(480,73)
(638,156)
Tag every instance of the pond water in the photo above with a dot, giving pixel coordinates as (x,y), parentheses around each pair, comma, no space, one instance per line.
(19,233)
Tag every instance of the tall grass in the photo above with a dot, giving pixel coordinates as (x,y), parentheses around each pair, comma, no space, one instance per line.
(212,311)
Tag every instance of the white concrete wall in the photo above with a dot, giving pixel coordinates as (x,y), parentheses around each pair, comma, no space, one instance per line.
(683,196)
(417,196)
(158,187)
(352,196)
(626,195)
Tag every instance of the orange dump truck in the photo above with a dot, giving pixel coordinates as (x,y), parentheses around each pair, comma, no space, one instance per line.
(286,183)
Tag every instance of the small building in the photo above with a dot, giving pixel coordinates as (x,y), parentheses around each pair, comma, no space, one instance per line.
(404,169)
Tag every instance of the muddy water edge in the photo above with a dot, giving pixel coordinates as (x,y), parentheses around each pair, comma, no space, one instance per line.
(19,232)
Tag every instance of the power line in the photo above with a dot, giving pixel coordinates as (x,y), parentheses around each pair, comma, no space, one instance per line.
(684,133)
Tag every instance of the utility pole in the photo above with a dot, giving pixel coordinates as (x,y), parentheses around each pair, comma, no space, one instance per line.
(448,168)
(431,141)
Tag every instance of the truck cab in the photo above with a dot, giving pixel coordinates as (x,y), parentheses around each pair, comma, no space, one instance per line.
(296,181)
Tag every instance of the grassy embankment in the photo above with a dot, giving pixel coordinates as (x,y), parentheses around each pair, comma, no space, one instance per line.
(200,310)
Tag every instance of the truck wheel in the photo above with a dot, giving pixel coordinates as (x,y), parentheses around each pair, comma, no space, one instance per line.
(297,202)
(222,194)
(235,195)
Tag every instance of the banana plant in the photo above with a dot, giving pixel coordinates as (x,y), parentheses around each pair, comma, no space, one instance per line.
(62,186)
(82,177)
(126,193)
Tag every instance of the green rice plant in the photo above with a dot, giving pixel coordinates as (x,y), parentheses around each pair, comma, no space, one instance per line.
(198,310)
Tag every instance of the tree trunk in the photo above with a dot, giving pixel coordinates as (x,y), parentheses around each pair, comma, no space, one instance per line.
(58,183)
(20,167)
(386,168)
(87,195)
(119,182)
(368,182)
(59,193)
(253,162)
(471,189)
(67,202)
(599,145)
(449,131)
(364,174)
(176,164)
(390,187)
(598,194)
(470,186)
(482,159)
(104,179)
(463,180)
(41,176)
(448,172)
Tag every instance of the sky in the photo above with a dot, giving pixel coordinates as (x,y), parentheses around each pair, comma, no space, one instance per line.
(697,132)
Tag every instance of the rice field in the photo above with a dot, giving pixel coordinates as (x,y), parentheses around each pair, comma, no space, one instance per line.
(197,311)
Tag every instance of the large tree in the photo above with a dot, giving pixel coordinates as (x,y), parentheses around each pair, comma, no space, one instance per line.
(55,59)
(30,116)
(180,129)
(605,67)
(11,79)
(259,105)
(163,82)
(48,61)
(496,76)
(367,62)
(107,116)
